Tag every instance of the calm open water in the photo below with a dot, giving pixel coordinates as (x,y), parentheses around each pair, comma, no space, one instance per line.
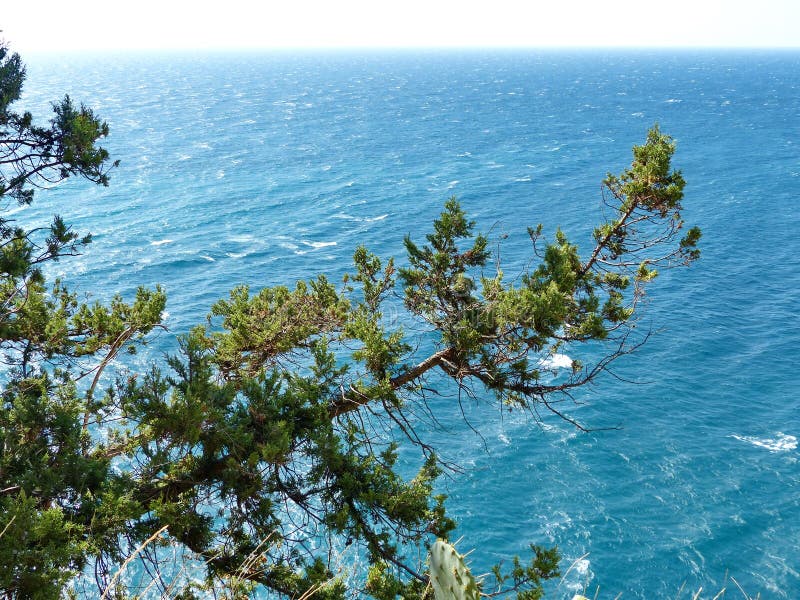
(267,168)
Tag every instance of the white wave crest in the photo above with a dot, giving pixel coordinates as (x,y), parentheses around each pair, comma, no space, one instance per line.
(348,217)
(160,242)
(780,443)
(577,575)
(555,362)
(319,244)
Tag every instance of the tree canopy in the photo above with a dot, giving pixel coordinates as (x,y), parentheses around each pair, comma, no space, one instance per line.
(272,440)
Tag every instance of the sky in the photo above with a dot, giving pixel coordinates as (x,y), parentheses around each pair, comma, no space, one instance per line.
(79,25)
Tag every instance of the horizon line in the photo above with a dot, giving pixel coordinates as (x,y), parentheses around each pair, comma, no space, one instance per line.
(399,48)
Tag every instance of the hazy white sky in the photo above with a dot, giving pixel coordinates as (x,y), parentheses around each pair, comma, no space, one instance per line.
(151,24)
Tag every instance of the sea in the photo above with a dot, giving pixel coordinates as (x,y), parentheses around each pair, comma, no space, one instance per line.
(265,168)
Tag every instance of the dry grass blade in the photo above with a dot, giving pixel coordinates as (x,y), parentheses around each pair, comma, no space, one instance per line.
(128,560)
(2,533)
(310,592)
(253,558)
(572,566)
(743,592)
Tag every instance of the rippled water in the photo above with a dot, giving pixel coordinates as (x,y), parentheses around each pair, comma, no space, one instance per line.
(264,169)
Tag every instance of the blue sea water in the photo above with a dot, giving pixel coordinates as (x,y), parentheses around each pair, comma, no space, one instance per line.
(268,168)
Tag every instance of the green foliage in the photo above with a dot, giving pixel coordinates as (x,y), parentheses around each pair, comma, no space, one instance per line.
(270,446)
(40,548)
(274,322)
(34,156)
(12,74)
(60,502)
(526,580)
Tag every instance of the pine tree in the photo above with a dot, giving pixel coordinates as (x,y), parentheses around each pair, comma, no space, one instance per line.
(54,475)
(273,438)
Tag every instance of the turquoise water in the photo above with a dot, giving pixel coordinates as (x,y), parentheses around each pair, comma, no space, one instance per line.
(264,169)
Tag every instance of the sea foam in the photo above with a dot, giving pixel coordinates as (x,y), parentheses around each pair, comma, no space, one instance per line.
(780,443)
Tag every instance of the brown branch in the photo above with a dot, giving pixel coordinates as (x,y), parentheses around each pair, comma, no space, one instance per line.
(602,243)
(348,403)
(112,352)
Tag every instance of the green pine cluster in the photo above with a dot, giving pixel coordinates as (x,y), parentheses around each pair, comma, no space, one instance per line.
(271,443)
